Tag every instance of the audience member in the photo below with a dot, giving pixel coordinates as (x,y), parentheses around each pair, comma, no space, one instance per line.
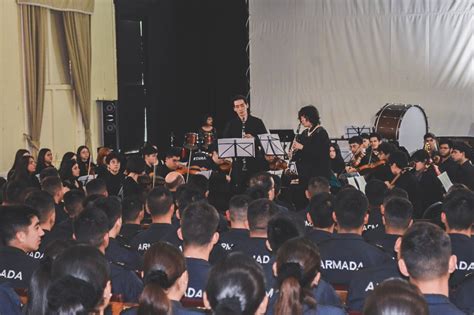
(320,215)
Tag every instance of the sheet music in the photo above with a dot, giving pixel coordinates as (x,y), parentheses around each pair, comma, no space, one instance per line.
(361,183)
(271,144)
(278,173)
(352,182)
(207,174)
(236,147)
(445,180)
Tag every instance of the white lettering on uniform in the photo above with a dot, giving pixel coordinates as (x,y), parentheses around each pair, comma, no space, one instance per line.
(264,259)
(144,246)
(192,293)
(226,246)
(370,287)
(341,265)
(465,266)
(11,274)
(36,255)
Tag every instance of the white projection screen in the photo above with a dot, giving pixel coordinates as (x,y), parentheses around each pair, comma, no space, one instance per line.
(350,57)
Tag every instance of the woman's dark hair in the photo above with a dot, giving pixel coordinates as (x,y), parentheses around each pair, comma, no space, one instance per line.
(40,162)
(395,296)
(65,172)
(66,157)
(205,117)
(79,276)
(18,155)
(21,169)
(337,149)
(310,113)
(235,285)
(41,278)
(78,153)
(163,265)
(297,263)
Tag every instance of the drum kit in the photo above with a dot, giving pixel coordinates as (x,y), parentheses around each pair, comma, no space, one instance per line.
(194,141)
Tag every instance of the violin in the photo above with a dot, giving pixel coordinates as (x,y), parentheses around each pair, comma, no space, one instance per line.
(225,166)
(367,168)
(193,170)
(277,164)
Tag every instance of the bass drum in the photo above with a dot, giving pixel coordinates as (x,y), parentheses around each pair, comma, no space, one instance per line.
(402,122)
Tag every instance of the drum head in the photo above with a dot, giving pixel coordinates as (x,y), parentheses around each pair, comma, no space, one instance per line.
(412,129)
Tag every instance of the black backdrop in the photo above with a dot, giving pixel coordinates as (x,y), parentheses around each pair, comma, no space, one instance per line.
(188,59)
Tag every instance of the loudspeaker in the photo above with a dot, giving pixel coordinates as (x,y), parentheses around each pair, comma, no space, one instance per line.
(110,125)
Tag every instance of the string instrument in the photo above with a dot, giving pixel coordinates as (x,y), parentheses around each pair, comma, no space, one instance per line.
(193,170)
(277,164)
(368,168)
(394,180)
(225,166)
(358,156)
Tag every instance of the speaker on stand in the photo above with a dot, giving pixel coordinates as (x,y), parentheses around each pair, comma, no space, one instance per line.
(110,132)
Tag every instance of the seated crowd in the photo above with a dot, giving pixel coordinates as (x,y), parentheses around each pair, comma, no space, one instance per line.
(172,246)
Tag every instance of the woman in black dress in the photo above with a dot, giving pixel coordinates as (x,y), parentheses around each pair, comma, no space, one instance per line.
(312,146)
(69,173)
(337,162)
(45,159)
(25,171)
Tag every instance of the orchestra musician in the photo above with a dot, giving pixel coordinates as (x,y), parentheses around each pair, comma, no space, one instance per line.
(244,125)
(431,144)
(207,132)
(171,163)
(371,155)
(358,153)
(312,147)
(150,155)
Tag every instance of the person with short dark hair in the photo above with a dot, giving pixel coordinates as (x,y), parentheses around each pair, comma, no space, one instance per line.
(446,163)
(259,213)
(173,180)
(48,171)
(160,206)
(239,225)
(372,152)
(404,179)
(395,296)
(150,156)
(97,186)
(461,154)
(425,257)
(383,172)
(92,228)
(458,217)
(43,203)
(199,222)
(298,271)
(244,125)
(117,250)
(54,186)
(311,148)
(171,163)
(375,191)
(236,286)
(346,252)
(430,143)
(320,215)
(133,213)
(20,233)
(112,176)
(265,181)
(135,167)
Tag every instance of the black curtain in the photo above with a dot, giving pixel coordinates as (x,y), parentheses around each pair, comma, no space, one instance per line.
(193,60)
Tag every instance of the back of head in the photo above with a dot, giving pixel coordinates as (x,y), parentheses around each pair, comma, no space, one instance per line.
(163,265)
(350,207)
(297,263)
(52,185)
(375,192)
(112,207)
(186,194)
(386,148)
(14,219)
(259,212)
(200,181)
(199,222)
(73,200)
(159,201)
(131,208)
(398,213)
(42,202)
(321,208)
(96,186)
(318,184)
(238,206)
(91,226)
(395,296)
(426,250)
(174,180)
(394,192)
(47,172)
(236,285)
(282,228)
(15,192)
(79,277)
(458,207)
(398,158)
(262,179)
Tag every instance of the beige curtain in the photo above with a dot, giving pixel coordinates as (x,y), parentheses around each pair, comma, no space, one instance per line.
(82,6)
(77,28)
(34,38)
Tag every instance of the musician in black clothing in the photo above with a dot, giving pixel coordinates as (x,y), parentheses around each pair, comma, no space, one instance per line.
(371,155)
(404,179)
(465,173)
(383,171)
(113,177)
(244,125)
(171,164)
(150,155)
(313,147)
(446,164)
(130,186)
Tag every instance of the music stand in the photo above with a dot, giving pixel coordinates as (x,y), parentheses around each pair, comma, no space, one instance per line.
(236,147)
(271,144)
(286,137)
